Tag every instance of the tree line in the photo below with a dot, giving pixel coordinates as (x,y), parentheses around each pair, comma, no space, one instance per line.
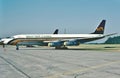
(113,40)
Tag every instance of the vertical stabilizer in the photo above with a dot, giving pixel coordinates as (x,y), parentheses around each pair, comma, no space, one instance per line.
(100,28)
(56,31)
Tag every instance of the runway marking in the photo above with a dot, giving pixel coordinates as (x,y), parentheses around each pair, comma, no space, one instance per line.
(57,75)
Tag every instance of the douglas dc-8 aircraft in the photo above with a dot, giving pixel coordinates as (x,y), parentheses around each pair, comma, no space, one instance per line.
(59,41)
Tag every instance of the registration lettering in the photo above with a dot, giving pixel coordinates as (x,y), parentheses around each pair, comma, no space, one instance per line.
(38,36)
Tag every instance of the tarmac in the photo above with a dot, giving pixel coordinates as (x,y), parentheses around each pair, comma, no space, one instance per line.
(44,62)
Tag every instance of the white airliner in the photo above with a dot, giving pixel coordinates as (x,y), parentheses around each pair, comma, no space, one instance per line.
(59,41)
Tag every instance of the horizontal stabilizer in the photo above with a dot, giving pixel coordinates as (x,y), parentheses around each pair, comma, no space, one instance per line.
(110,34)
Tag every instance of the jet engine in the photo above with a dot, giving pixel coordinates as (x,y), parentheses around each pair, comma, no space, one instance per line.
(55,44)
(71,43)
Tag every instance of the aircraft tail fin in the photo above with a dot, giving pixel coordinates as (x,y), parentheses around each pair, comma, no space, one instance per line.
(56,31)
(100,28)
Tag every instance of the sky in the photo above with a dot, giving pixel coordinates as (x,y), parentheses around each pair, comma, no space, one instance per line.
(44,16)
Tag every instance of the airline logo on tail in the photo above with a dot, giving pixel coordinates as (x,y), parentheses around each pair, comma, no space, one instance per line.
(99,29)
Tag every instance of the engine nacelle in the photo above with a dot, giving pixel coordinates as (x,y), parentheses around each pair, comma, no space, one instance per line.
(55,44)
(71,43)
